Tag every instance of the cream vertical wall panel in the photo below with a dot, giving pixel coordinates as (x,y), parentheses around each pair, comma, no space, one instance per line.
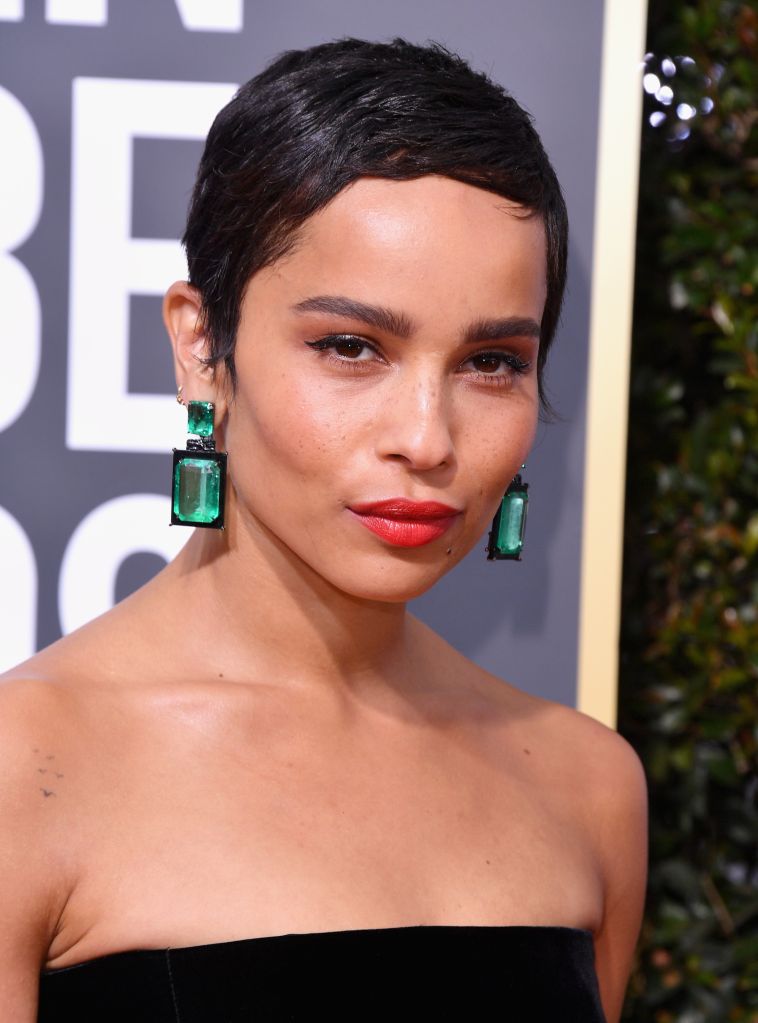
(610,344)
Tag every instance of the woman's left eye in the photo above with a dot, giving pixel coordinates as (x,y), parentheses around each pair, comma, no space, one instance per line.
(513,365)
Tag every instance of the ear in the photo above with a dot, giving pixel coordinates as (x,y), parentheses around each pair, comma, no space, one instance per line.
(182,318)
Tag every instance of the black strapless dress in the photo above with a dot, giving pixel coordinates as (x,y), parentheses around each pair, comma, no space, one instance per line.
(514,974)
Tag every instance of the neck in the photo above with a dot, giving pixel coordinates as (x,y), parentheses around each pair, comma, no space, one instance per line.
(264,610)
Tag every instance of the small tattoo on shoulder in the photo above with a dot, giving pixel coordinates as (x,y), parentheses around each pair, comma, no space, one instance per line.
(50,769)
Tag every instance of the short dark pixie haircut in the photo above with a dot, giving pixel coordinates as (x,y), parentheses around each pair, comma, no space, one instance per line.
(316,119)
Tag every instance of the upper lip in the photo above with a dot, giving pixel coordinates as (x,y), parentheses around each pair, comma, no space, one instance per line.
(402,508)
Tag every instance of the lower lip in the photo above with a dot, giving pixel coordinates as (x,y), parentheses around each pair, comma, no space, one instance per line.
(406,532)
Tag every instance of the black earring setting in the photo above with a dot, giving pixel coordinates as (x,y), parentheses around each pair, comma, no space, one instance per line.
(199,472)
(506,539)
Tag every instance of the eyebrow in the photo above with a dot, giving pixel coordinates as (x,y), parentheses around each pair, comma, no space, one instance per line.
(392,322)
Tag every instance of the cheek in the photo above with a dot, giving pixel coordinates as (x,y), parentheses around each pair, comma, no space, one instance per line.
(290,430)
(496,447)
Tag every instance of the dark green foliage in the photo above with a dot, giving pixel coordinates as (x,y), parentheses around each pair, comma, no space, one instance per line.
(689,643)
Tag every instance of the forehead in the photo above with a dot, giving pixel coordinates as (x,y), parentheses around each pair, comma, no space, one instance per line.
(432,238)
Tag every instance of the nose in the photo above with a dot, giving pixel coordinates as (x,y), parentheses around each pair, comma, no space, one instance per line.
(414,423)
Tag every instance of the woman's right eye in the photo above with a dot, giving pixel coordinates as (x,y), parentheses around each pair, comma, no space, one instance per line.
(347,343)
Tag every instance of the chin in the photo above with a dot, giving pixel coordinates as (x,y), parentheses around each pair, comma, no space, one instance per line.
(392,582)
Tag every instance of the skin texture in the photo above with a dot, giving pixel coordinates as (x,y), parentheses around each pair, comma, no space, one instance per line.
(262,739)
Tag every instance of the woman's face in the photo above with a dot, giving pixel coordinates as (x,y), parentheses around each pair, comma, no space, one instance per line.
(405,405)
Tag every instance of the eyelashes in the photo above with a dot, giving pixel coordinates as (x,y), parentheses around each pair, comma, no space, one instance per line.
(331,342)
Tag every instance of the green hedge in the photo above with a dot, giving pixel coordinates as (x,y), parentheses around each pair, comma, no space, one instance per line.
(689,640)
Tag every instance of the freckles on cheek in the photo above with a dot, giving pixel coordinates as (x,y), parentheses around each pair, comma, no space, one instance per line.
(301,427)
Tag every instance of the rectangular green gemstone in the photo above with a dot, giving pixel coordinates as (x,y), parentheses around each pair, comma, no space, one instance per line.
(197,489)
(510,534)
(200,418)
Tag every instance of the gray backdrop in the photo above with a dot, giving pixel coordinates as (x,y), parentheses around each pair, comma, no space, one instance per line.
(103,108)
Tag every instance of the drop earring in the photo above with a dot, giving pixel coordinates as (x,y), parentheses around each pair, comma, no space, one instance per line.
(198,478)
(506,539)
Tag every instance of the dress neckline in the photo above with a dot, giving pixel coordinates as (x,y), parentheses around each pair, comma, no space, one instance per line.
(370,933)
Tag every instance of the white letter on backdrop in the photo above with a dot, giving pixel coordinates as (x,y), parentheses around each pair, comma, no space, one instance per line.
(196,15)
(101,542)
(220,16)
(107,265)
(76,12)
(21,178)
(11,10)
(18,594)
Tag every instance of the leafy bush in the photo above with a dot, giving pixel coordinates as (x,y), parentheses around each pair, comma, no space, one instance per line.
(688,689)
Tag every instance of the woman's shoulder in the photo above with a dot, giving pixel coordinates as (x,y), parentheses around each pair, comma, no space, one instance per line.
(592,776)
(592,772)
(41,729)
(34,702)
(569,744)
(61,706)
(574,741)
(37,739)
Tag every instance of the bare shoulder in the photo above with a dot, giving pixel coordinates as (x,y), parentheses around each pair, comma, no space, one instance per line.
(612,799)
(38,722)
(35,870)
(618,806)
(597,763)
(614,783)
(605,757)
(34,708)
(577,752)
(598,774)
(577,744)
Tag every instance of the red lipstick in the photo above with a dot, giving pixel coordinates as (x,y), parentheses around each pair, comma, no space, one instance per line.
(406,523)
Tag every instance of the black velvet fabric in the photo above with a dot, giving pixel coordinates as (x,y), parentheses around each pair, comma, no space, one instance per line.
(439,972)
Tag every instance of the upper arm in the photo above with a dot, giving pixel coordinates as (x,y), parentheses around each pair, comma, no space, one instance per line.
(30,881)
(620,812)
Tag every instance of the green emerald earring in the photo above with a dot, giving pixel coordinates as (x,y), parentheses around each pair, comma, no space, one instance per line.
(506,539)
(198,487)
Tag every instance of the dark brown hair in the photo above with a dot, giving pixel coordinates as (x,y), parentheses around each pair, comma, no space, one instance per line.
(316,119)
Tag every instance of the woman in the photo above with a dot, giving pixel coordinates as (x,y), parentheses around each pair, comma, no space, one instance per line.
(259,788)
